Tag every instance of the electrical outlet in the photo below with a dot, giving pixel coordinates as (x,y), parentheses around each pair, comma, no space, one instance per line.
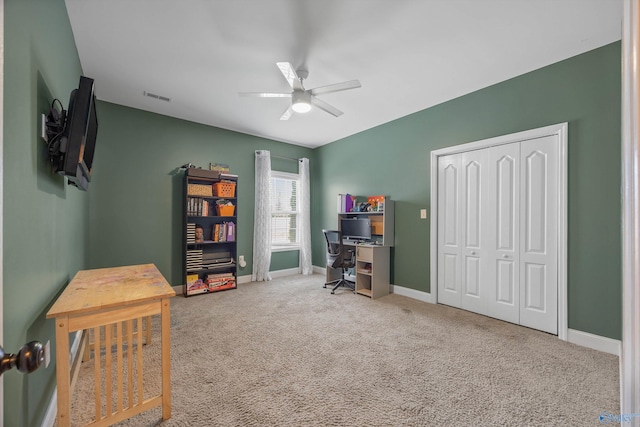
(423,214)
(47,354)
(43,128)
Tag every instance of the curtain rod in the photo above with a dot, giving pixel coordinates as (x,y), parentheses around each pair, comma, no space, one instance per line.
(283,157)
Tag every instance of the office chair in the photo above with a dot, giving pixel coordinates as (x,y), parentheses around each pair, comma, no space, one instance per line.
(338,257)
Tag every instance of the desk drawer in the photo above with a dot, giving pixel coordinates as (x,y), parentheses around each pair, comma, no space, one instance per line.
(364,254)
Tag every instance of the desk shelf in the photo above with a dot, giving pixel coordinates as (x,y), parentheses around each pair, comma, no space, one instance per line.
(374,281)
(382,222)
(365,292)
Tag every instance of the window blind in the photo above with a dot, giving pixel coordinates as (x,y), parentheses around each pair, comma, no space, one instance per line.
(284,210)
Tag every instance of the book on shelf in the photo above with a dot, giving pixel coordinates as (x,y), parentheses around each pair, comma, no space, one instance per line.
(222,236)
(221,281)
(216,233)
(195,285)
(345,203)
(224,232)
(191,232)
(231,237)
(194,259)
(197,206)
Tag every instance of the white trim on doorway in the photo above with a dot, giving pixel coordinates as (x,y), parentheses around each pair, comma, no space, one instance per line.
(1,194)
(559,130)
(629,367)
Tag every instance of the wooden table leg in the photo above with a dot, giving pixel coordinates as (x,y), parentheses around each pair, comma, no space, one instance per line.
(86,337)
(166,358)
(62,371)
(148,331)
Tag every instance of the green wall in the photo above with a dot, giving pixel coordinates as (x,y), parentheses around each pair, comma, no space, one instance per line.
(394,159)
(136,192)
(45,223)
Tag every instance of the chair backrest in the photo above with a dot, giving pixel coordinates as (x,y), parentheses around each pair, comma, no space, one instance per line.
(335,251)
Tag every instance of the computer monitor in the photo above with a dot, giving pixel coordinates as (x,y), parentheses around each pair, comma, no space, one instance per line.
(356,228)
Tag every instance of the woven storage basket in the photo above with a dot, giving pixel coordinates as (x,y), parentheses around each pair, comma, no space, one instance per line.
(224,189)
(203,190)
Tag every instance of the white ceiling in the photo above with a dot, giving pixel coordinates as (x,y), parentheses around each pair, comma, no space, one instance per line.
(408,54)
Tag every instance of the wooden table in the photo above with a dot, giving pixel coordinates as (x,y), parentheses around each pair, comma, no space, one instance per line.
(113,297)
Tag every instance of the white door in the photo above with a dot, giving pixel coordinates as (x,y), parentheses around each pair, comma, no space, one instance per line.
(472,230)
(538,234)
(449,247)
(503,236)
(461,181)
(497,232)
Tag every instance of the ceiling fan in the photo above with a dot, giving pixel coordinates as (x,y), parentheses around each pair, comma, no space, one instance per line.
(302,99)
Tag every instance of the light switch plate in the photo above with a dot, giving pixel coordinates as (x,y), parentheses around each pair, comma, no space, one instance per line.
(423,214)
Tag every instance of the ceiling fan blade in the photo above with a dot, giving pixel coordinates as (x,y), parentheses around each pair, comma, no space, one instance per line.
(326,107)
(265,94)
(290,74)
(286,114)
(337,87)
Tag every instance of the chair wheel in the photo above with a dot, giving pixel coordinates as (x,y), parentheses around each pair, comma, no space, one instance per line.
(333,292)
(324,286)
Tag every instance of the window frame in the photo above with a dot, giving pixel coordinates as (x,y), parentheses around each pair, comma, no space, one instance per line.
(282,247)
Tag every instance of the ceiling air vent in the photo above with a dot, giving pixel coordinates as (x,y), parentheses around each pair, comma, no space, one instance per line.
(154,96)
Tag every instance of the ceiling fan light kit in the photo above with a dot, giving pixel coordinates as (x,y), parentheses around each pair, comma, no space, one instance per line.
(301,102)
(302,99)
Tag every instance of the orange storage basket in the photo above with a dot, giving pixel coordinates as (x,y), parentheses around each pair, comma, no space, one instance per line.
(225,210)
(224,189)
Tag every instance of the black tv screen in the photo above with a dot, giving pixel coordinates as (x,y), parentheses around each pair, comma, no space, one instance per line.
(78,140)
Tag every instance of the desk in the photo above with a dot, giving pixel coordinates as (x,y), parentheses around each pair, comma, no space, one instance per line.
(373,281)
(113,296)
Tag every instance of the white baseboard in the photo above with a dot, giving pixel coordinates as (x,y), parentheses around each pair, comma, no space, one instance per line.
(284,273)
(52,409)
(412,293)
(596,342)
(244,279)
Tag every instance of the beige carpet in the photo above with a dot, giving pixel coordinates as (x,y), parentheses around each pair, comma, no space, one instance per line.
(288,353)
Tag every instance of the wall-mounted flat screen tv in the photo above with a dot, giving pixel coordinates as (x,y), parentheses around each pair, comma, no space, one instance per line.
(71,150)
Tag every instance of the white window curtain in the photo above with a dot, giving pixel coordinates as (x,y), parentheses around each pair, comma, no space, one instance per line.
(306,266)
(262,219)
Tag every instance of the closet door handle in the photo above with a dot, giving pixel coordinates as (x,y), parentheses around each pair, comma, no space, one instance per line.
(473,252)
(505,256)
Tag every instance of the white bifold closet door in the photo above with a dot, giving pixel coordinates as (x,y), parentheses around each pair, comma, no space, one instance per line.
(497,210)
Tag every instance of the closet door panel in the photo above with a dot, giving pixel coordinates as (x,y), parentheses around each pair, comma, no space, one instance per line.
(449,235)
(505,282)
(503,240)
(472,213)
(539,250)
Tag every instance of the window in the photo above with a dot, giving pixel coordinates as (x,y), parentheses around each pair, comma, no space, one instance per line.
(285,210)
